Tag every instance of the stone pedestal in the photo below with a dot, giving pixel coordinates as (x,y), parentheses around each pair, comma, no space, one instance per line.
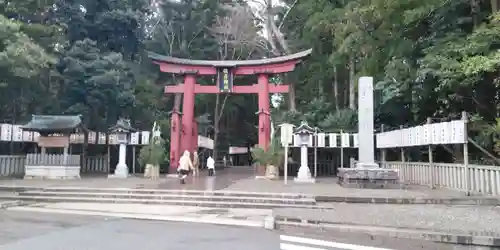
(304,174)
(373,177)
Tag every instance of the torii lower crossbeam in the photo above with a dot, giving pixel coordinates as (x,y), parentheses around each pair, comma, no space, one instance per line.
(203,89)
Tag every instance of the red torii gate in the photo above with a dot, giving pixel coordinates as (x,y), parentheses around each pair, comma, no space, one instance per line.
(225,70)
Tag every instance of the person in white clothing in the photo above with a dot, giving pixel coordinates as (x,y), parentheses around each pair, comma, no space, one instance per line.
(185,166)
(211,166)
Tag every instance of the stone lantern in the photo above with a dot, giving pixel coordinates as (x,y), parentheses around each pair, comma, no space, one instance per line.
(122,129)
(304,133)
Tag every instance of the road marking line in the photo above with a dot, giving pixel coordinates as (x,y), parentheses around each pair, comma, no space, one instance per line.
(324,243)
(285,246)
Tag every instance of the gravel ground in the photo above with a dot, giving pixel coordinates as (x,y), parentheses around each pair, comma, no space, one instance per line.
(459,219)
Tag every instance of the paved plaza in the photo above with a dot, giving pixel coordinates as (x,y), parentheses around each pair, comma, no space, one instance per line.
(239,179)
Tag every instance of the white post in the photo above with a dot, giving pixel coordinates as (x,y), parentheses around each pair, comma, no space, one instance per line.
(382,151)
(133,159)
(315,152)
(286,163)
(286,130)
(341,151)
(432,167)
(466,156)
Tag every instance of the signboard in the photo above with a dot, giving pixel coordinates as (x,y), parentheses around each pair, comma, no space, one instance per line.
(332,140)
(321,137)
(27,136)
(355,140)
(134,138)
(101,138)
(344,140)
(225,79)
(296,140)
(54,141)
(6,132)
(286,130)
(238,150)
(145,137)
(205,142)
(113,140)
(17,133)
(92,137)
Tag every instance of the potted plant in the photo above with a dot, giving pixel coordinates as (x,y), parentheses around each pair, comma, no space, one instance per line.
(271,159)
(151,156)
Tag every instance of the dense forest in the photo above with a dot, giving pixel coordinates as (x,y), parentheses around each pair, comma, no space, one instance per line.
(430,58)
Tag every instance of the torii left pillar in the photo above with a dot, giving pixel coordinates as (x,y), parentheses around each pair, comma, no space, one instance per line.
(175,140)
(188,114)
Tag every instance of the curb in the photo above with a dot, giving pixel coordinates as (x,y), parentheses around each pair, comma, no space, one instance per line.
(216,221)
(177,202)
(484,201)
(477,239)
(9,204)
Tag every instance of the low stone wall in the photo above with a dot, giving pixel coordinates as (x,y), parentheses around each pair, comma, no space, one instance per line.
(52,172)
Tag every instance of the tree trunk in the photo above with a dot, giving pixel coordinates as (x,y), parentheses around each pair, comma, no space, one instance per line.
(336,88)
(494,6)
(352,84)
(474,9)
(291,97)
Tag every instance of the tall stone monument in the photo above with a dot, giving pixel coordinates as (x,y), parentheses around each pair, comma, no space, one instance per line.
(366,173)
(366,147)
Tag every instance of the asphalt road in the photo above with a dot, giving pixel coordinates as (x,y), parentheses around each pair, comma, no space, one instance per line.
(41,231)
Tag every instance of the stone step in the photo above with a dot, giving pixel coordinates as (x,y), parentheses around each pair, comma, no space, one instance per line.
(176,202)
(172,196)
(155,191)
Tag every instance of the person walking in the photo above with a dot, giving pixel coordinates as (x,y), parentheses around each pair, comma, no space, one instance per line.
(185,166)
(211,166)
(196,164)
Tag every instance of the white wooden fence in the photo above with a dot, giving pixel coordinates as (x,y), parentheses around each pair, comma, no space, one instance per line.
(13,165)
(52,160)
(96,164)
(481,179)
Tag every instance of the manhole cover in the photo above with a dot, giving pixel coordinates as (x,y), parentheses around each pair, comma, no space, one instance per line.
(213,211)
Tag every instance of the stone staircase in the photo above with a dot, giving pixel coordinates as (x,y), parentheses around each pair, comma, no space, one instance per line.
(164,197)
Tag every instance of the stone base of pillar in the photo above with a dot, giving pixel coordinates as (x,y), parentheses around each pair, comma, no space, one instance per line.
(368,176)
(304,175)
(121,172)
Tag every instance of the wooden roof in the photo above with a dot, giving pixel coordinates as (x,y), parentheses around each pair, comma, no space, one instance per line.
(53,123)
(224,64)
